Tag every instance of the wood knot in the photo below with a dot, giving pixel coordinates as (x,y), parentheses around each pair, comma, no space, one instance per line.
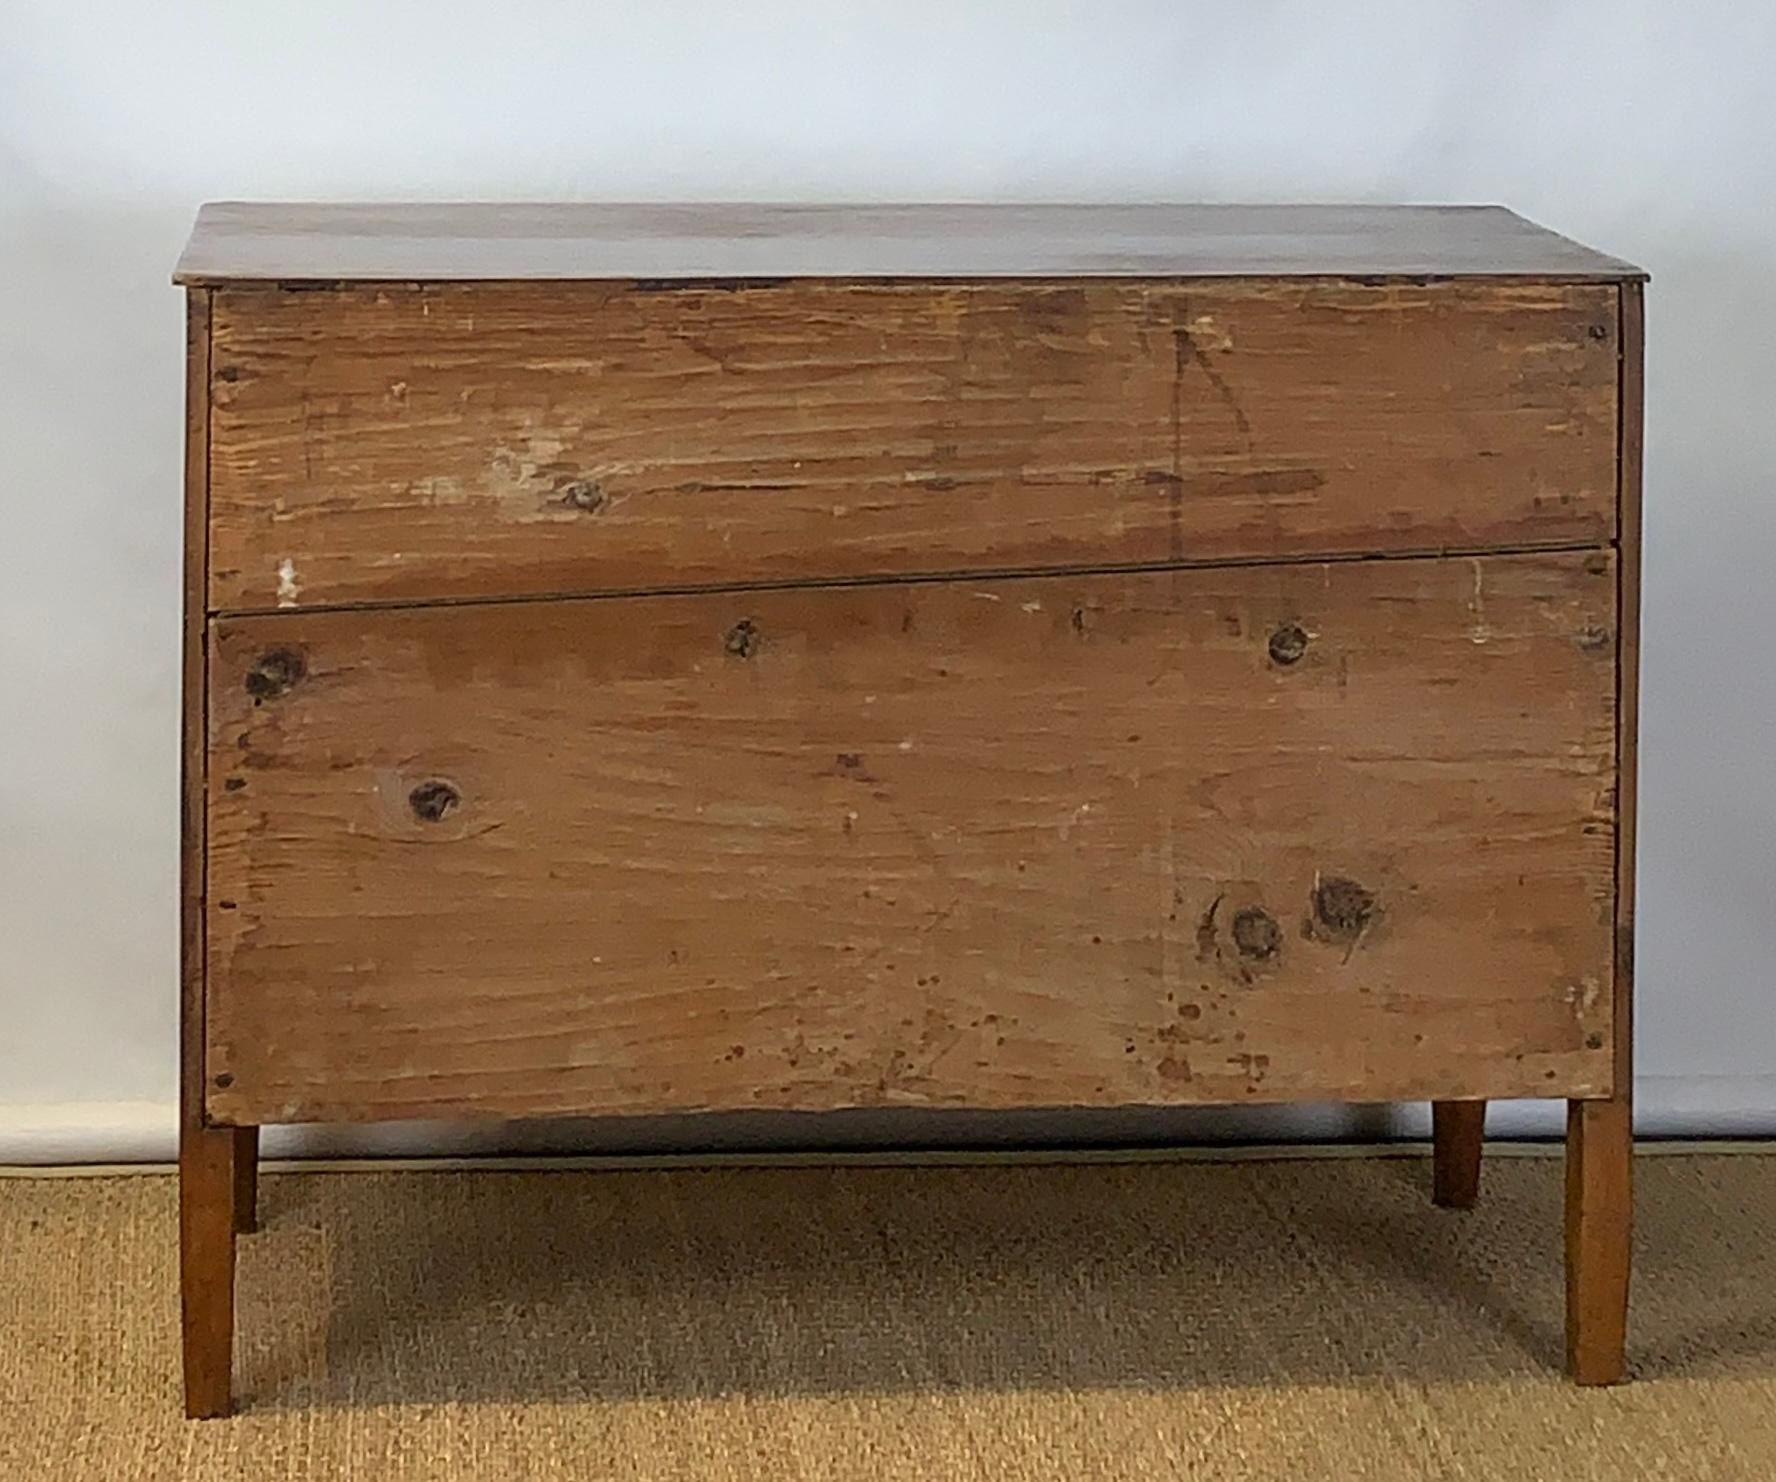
(1287,644)
(431,800)
(743,639)
(583,495)
(1342,908)
(274,673)
(1256,933)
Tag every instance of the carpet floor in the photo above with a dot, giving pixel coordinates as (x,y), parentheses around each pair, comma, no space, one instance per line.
(1235,1319)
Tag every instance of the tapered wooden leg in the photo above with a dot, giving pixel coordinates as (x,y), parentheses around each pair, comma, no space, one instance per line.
(208,1180)
(1599,1223)
(1457,1128)
(246,1180)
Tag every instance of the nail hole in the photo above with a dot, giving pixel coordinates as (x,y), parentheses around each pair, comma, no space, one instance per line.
(583,495)
(743,639)
(225,1080)
(1342,907)
(273,673)
(431,800)
(1287,644)
(1256,933)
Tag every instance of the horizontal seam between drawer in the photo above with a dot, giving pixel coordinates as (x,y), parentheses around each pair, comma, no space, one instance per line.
(926,578)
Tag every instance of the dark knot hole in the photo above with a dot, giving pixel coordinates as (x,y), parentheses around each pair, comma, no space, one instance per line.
(583,495)
(1256,933)
(431,800)
(1342,907)
(1288,644)
(274,673)
(743,639)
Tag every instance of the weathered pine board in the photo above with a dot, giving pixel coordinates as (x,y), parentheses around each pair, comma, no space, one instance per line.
(413,443)
(1230,834)
(406,241)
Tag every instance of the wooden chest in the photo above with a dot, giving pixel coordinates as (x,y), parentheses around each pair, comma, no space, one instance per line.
(676,659)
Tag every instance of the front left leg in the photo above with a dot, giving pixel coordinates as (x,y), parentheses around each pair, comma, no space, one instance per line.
(207,1222)
(1599,1224)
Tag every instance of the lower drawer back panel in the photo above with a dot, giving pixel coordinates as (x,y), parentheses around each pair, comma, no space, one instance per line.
(1258,834)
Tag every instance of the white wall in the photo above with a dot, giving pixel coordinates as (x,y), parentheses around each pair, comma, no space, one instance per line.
(1647,129)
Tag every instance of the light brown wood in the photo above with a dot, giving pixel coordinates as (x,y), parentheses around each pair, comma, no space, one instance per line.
(1599,1226)
(1226,835)
(1221,808)
(1458,1129)
(207,1224)
(396,445)
(405,242)
(206,1154)
(1632,398)
(1600,1134)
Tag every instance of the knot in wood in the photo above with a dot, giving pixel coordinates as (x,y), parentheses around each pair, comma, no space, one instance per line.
(1288,644)
(1256,933)
(431,800)
(273,673)
(1342,908)
(743,639)
(583,495)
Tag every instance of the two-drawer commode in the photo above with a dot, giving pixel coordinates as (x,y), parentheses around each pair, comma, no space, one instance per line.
(680,659)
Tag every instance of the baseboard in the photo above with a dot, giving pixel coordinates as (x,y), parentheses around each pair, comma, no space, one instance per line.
(89,1132)
(146,1132)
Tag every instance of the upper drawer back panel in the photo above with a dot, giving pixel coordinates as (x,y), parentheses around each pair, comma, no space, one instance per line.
(406,443)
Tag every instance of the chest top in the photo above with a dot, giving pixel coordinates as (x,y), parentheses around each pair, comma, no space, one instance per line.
(235,242)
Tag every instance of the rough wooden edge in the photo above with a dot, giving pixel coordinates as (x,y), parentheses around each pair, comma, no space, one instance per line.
(1631,402)
(193,749)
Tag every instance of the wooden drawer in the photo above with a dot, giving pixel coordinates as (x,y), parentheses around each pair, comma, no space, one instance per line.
(396,443)
(1268,833)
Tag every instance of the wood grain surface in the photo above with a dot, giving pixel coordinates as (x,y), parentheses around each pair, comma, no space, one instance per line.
(1232,834)
(411,444)
(235,241)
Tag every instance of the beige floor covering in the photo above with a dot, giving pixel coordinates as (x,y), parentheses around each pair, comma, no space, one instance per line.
(1250,1320)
